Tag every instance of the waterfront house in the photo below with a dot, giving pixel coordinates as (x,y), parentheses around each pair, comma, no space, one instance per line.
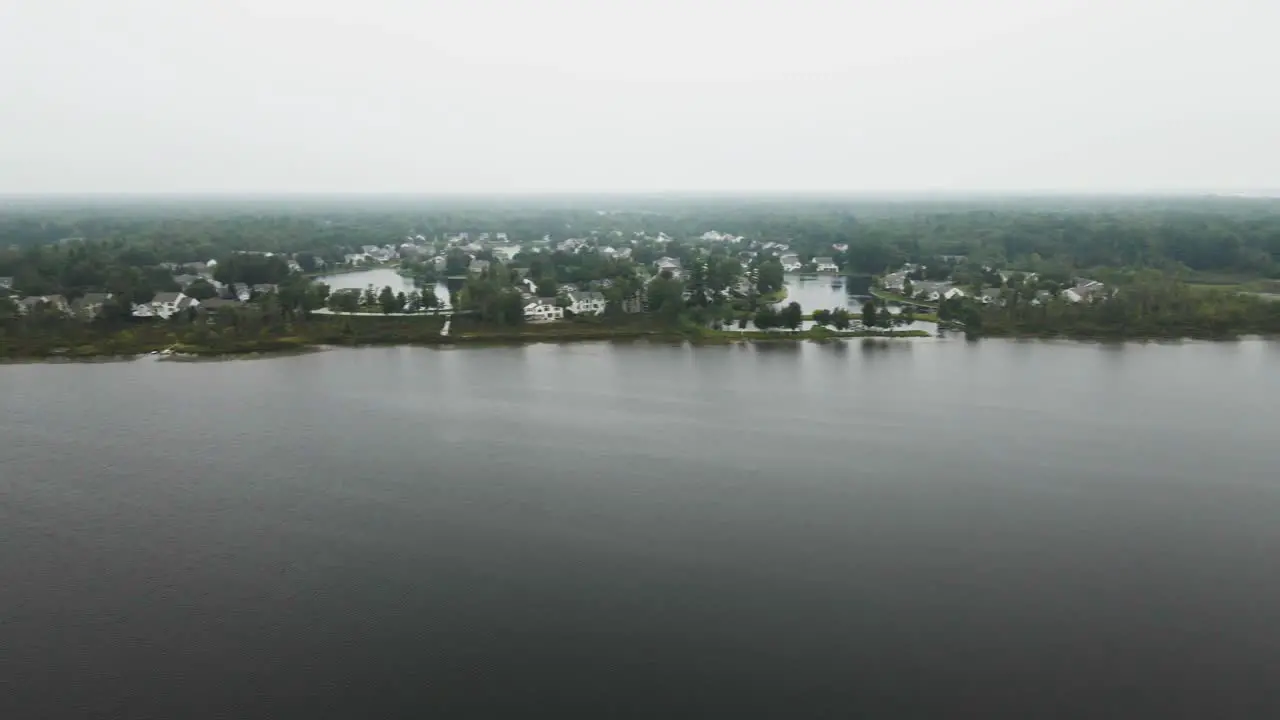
(542,310)
(586,303)
(825,265)
(790,262)
(165,305)
(931,291)
(55,303)
(90,305)
(895,282)
(1087,290)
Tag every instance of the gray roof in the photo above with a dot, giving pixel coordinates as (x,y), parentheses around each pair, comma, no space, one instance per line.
(992,293)
(166,297)
(95,298)
(216,302)
(583,295)
(35,300)
(823,261)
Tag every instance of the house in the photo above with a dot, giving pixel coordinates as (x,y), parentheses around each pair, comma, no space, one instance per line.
(213,305)
(527,285)
(185,281)
(896,282)
(932,291)
(825,264)
(90,305)
(543,310)
(1087,291)
(607,251)
(840,247)
(790,262)
(586,303)
(623,253)
(952,293)
(197,268)
(55,303)
(478,266)
(6,283)
(991,295)
(1006,275)
(506,253)
(356,259)
(668,263)
(165,305)
(439,262)
(264,289)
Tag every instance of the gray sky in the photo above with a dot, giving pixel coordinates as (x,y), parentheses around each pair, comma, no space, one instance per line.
(622,95)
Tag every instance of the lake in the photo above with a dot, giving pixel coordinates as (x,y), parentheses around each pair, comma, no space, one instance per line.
(825,292)
(881,529)
(380,278)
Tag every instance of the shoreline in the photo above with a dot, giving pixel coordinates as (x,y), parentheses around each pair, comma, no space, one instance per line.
(499,339)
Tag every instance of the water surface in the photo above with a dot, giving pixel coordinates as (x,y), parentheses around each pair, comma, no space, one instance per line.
(873,529)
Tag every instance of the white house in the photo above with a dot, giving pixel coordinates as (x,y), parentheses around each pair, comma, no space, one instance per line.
(542,310)
(586,303)
(932,291)
(790,262)
(953,292)
(897,282)
(1087,290)
(506,253)
(840,247)
(165,305)
(826,264)
(668,263)
(53,302)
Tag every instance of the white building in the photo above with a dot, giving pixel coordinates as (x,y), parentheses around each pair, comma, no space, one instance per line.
(826,264)
(542,310)
(587,303)
(165,305)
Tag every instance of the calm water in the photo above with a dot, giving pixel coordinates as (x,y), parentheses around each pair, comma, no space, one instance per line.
(824,292)
(921,529)
(380,278)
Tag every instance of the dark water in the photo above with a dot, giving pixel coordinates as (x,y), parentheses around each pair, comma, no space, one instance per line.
(923,529)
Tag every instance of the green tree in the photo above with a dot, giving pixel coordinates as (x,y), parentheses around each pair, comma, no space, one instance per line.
(769,277)
(429,299)
(840,319)
(822,317)
(870,318)
(387,300)
(791,316)
(767,318)
(547,287)
(201,290)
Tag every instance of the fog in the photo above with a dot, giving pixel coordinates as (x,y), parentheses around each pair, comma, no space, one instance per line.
(664,95)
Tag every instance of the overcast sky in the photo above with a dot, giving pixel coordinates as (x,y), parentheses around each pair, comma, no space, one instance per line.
(638,95)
